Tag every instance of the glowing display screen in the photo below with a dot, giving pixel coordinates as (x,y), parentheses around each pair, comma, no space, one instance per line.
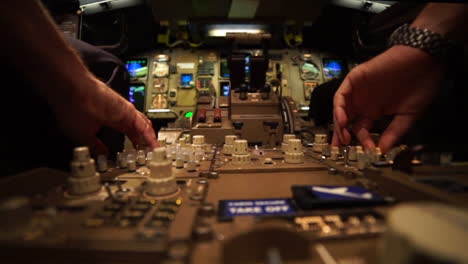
(225,88)
(137,68)
(136,95)
(247,65)
(334,68)
(224,68)
(185,79)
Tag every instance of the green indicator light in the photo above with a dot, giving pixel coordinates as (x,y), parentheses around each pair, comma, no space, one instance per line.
(188,114)
(139,89)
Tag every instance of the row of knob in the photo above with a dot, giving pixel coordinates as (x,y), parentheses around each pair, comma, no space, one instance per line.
(353,153)
(84,178)
(238,148)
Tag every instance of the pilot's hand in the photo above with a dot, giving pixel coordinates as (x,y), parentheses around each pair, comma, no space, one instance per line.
(97,105)
(400,82)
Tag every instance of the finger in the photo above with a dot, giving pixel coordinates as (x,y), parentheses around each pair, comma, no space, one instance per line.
(337,130)
(397,128)
(342,112)
(137,127)
(149,134)
(335,140)
(361,130)
(97,147)
(346,136)
(142,132)
(147,120)
(339,110)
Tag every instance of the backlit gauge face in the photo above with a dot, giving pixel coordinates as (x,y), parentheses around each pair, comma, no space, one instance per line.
(160,85)
(211,57)
(309,88)
(159,101)
(161,69)
(162,57)
(309,71)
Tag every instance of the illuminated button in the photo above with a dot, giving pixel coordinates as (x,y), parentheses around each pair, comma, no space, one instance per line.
(168,208)
(188,114)
(141,207)
(146,201)
(113,207)
(125,223)
(177,202)
(133,214)
(105,214)
(94,222)
(163,215)
(157,223)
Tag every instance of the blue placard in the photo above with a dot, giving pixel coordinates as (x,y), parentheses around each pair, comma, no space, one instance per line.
(264,207)
(343,193)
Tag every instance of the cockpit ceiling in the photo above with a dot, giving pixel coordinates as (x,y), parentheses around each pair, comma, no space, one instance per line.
(260,10)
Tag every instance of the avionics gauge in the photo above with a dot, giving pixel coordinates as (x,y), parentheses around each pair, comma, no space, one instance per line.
(309,88)
(137,68)
(160,85)
(159,101)
(309,71)
(136,96)
(162,58)
(161,69)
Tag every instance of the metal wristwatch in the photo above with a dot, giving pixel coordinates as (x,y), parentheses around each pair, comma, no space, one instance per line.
(431,42)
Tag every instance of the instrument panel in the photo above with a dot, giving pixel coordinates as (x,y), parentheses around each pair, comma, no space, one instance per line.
(173,80)
(194,202)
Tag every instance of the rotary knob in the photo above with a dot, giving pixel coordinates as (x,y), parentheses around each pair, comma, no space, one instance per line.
(228,147)
(241,152)
(84,179)
(294,152)
(284,145)
(161,180)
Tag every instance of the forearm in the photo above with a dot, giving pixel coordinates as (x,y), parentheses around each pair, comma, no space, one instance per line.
(447,19)
(36,48)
